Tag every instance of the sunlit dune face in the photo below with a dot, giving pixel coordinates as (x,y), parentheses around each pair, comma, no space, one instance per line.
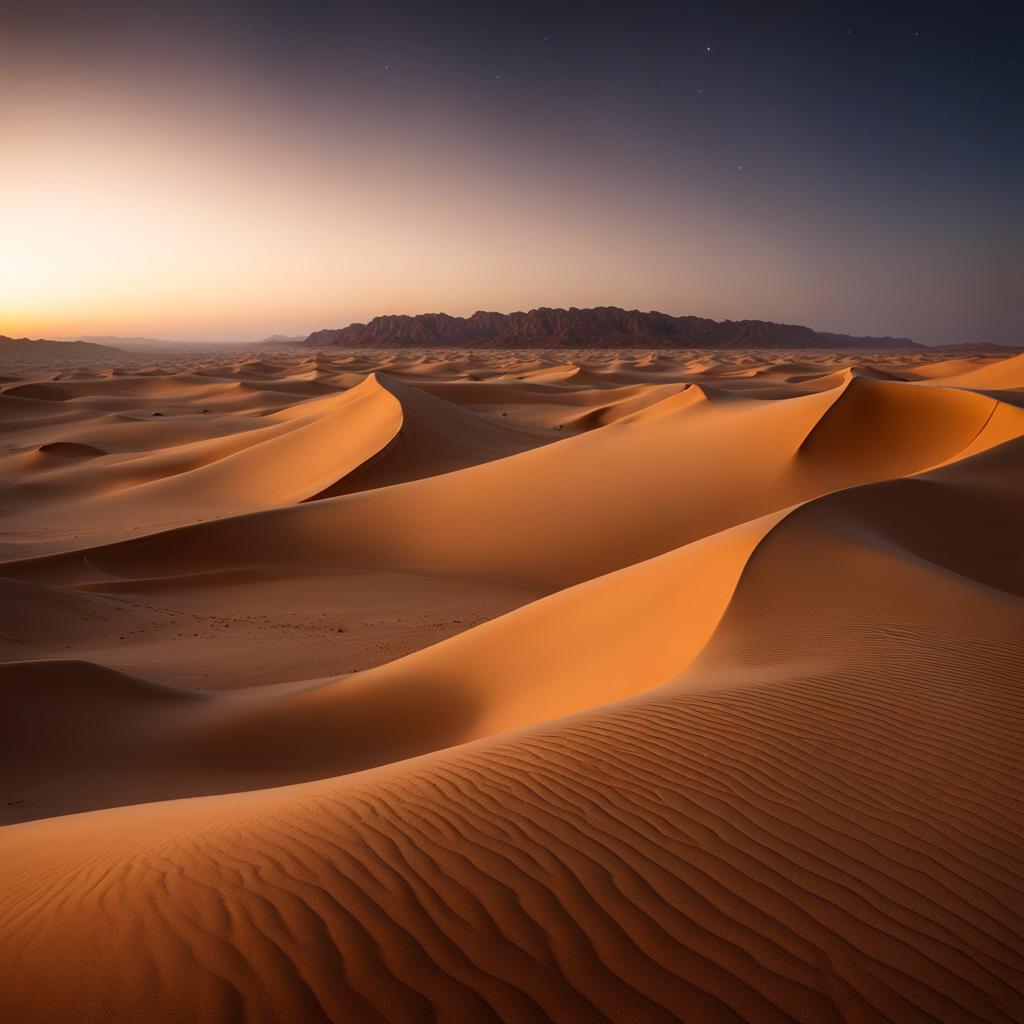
(346,684)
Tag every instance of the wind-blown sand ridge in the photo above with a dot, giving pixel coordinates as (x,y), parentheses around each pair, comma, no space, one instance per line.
(592,686)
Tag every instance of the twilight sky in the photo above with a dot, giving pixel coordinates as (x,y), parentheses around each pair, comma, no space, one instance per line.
(223,171)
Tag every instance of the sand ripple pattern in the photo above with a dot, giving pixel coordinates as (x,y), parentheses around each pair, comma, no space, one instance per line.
(827,849)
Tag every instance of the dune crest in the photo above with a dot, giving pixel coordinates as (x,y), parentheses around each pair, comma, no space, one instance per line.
(364,685)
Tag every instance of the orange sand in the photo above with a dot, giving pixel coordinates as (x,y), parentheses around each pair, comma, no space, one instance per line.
(575,686)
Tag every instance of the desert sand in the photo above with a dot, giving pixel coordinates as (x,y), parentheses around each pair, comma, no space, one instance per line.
(513,686)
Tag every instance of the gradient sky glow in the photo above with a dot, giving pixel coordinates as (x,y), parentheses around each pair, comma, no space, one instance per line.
(223,171)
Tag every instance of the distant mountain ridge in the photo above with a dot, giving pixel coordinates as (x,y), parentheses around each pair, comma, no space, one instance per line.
(601,327)
(139,344)
(117,339)
(26,347)
(282,339)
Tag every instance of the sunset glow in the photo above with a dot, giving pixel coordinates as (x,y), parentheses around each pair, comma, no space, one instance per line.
(221,174)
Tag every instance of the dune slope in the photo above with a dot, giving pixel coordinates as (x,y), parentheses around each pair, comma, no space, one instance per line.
(734,735)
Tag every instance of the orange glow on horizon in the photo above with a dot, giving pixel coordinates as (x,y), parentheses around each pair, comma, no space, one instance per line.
(203,212)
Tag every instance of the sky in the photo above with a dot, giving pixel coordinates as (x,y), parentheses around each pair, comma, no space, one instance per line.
(225,171)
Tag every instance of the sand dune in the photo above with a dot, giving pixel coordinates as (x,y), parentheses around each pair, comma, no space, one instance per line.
(517,520)
(435,437)
(1003,374)
(570,686)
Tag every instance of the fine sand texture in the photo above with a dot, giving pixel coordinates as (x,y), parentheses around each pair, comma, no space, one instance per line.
(451,686)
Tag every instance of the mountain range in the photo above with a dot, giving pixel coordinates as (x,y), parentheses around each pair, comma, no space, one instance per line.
(22,348)
(601,327)
(129,342)
(282,339)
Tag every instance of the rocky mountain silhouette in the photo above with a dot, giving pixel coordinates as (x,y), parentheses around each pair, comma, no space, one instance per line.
(601,327)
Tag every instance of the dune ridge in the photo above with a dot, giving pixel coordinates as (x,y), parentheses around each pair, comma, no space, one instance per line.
(706,701)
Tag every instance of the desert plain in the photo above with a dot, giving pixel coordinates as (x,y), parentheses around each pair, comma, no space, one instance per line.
(513,686)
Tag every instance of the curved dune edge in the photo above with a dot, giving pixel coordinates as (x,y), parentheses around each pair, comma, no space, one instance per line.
(70,450)
(923,428)
(516,519)
(756,756)
(434,437)
(1002,375)
(819,820)
(300,449)
(374,433)
(278,458)
(600,641)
